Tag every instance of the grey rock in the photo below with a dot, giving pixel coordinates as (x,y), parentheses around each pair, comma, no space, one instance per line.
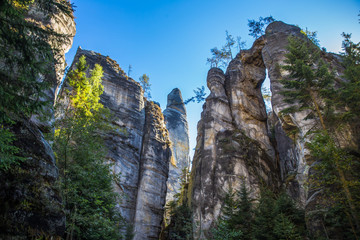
(139,147)
(154,169)
(176,123)
(30,201)
(226,154)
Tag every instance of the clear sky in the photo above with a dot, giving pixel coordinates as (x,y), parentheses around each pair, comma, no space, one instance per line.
(170,40)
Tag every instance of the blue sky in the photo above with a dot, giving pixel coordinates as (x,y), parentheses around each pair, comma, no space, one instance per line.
(171,40)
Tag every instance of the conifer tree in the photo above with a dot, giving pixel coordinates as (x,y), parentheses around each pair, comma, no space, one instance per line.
(310,85)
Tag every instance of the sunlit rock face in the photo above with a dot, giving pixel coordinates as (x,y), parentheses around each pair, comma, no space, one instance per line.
(237,142)
(30,202)
(176,123)
(139,147)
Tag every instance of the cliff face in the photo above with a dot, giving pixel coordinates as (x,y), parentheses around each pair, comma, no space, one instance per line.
(176,123)
(233,143)
(139,148)
(30,203)
(229,150)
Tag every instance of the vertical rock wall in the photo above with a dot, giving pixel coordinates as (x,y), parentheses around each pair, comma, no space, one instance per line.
(176,123)
(30,202)
(154,169)
(227,154)
(139,147)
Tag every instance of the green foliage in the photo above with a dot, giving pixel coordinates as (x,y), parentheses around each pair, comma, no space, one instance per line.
(312,36)
(8,152)
(86,91)
(181,221)
(309,78)
(271,218)
(350,91)
(199,96)
(257,28)
(222,57)
(180,227)
(336,173)
(310,84)
(86,180)
(145,84)
(223,231)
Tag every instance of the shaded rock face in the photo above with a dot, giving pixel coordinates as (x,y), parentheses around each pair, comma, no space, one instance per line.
(238,142)
(176,123)
(29,198)
(154,169)
(63,24)
(226,156)
(30,202)
(139,147)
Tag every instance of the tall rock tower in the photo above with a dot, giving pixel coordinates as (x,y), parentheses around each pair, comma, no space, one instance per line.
(176,123)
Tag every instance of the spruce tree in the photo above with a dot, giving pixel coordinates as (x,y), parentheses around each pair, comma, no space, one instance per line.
(310,86)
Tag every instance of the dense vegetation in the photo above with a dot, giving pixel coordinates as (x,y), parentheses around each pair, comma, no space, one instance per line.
(270,217)
(310,86)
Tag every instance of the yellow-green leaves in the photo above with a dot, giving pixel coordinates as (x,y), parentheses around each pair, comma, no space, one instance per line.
(86,91)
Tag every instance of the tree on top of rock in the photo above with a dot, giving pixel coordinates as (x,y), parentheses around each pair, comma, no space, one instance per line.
(257,28)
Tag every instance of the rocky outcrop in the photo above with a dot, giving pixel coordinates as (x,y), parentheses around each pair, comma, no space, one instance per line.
(154,169)
(139,147)
(227,154)
(30,202)
(176,123)
(237,142)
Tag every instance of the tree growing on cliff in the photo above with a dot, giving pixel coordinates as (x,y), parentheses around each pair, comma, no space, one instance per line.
(26,56)
(199,96)
(257,28)
(222,57)
(145,84)
(86,180)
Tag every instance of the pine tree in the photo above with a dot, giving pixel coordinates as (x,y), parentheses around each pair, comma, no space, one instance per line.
(309,79)
(310,85)
(264,216)
(145,84)
(256,28)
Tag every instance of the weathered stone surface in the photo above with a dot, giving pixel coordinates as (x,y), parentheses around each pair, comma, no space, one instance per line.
(226,153)
(62,23)
(250,145)
(30,203)
(124,98)
(176,123)
(245,75)
(29,198)
(139,148)
(154,169)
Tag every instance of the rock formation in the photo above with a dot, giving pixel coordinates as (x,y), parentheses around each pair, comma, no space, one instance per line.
(176,123)
(139,148)
(31,206)
(230,150)
(234,134)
